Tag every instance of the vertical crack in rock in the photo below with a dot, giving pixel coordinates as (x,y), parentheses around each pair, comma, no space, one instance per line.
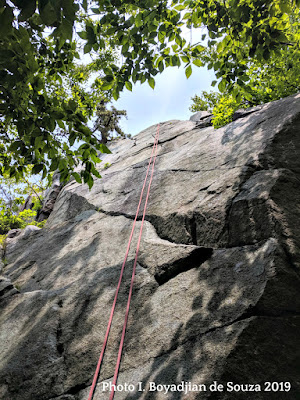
(193,227)
(59,340)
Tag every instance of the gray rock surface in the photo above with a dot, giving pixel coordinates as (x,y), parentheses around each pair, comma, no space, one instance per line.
(216,293)
(6,287)
(241,113)
(50,198)
(13,233)
(200,115)
(28,204)
(205,122)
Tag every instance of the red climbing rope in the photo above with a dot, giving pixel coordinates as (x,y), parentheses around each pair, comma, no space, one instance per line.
(132,277)
(96,375)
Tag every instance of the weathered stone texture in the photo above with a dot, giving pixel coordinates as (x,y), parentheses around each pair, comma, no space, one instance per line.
(216,294)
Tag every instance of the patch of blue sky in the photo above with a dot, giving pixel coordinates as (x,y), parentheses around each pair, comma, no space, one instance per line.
(171,97)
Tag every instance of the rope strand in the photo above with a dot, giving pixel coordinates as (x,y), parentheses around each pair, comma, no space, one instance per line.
(96,375)
(132,278)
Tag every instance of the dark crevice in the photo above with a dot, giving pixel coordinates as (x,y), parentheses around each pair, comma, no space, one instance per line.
(253,312)
(244,113)
(193,227)
(193,171)
(174,137)
(7,289)
(59,343)
(119,214)
(167,272)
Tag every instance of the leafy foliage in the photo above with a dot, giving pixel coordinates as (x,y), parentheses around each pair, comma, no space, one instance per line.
(13,193)
(47,126)
(222,106)
(205,102)
(278,78)
(43,103)
(10,221)
(224,110)
(2,242)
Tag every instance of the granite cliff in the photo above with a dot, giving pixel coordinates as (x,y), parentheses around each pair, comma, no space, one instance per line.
(217,290)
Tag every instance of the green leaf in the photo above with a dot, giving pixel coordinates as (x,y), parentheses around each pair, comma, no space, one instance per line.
(178,40)
(37,168)
(161,36)
(15,145)
(104,149)
(151,82)
(49,11)
(90,182)
(222,85)
(171,36)
(38,142)
(58,114)
(82,34)
(77,177)
(161,66)
(6,18)
(198,63)
(115,94)
(128,86)
(175,60)
(27,10)
(87,48)
(107,85)
(180,7)
(72,104)
(125,48)
(96,10)
(139,20)
(188,71)
(185,59)
(61,124)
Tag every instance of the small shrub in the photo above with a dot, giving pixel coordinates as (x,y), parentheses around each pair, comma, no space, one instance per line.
(2,240)
(107,165)
(224,110)
(10,221)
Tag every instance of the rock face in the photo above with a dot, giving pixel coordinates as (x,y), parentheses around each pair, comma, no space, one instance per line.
(50,198)
(216,295)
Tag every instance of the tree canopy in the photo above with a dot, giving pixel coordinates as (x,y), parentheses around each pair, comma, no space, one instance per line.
(44,109)
(267,80)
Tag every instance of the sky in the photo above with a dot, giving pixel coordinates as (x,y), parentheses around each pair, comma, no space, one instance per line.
(171,97)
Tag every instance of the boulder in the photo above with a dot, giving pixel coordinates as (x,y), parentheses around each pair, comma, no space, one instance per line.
(200,115)
(13,233)
(216,294)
